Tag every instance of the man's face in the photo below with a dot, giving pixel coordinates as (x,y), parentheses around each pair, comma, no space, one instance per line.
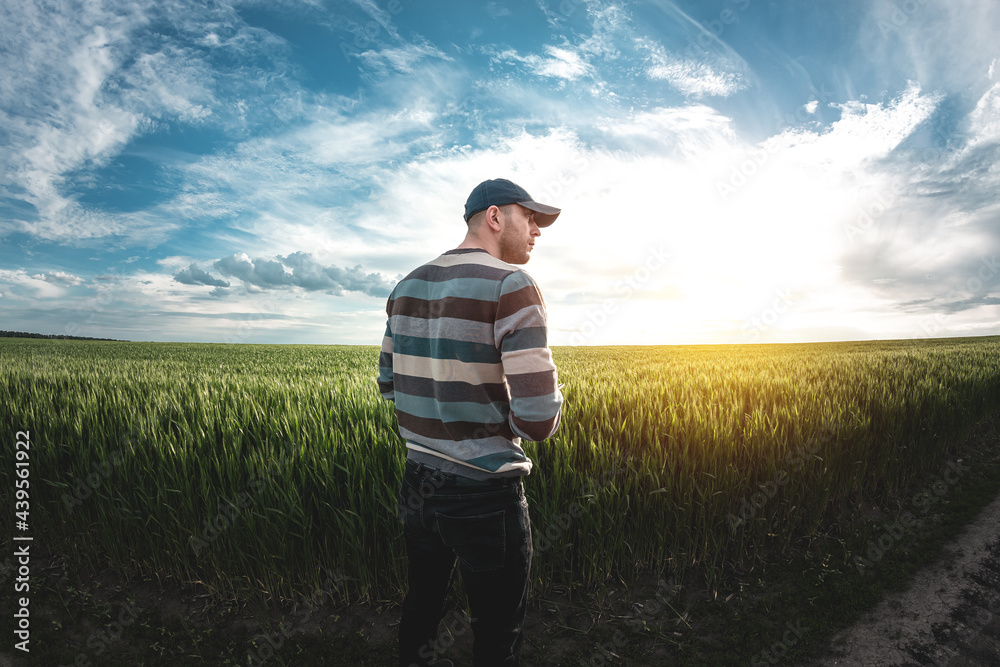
(517,236)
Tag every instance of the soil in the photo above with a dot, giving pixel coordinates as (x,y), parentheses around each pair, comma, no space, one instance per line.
(949,615)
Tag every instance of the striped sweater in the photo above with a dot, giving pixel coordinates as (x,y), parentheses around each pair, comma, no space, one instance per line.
(465,358)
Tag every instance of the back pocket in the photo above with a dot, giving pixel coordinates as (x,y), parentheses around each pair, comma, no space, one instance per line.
(480,541)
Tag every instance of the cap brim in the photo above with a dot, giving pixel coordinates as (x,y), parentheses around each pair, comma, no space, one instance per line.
(545,214)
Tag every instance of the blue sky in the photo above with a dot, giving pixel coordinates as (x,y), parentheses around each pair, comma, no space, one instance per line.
(735,171)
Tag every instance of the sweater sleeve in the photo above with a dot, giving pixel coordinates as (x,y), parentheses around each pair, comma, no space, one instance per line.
(521,331)
(385,383)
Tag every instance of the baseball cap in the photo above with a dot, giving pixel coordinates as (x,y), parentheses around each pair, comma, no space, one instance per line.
(499,192)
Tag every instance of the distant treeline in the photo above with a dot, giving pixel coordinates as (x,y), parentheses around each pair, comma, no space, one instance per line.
(22,334)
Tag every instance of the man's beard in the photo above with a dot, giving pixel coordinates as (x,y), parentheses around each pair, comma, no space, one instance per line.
(512,248)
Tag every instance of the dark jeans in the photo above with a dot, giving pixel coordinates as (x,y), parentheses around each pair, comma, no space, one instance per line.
(482,526)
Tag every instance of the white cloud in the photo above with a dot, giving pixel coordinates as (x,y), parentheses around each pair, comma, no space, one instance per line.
(63,69)
(194,275)
(874,129)
(378,180)
(85,87)
(173,262)
(297,270)
(20,282)
(496,10)
(401,59)
(944,44)
(154,306)
(174,81)
(561,63)
(864,132)
(368,139)
(63,277)
(655,185)
(677,131)
(984,120)
(379,16)
(303,179)
(696,78)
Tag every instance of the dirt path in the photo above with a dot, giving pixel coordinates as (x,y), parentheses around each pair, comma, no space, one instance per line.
(950,614)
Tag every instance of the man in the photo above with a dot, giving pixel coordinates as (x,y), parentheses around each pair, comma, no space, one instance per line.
(465,358)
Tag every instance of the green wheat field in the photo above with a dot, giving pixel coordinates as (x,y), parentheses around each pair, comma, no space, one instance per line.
(256,469)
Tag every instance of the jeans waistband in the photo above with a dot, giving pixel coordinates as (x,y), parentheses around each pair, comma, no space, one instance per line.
(460,480)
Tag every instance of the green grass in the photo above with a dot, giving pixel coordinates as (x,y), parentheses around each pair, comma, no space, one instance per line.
(257,470)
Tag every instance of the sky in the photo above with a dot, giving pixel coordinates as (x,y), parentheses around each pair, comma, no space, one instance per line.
(738,171)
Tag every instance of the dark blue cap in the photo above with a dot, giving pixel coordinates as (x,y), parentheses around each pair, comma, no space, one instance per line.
(500,192)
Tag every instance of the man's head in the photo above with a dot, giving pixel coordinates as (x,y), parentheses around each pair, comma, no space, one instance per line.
(503,217)
(500,192)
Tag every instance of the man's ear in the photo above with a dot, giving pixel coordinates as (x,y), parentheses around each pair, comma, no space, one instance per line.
(493,218)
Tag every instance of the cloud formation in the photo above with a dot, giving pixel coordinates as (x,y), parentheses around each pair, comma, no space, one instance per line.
(846,154)
(90,80)
(192,275)
(694,78)
(298,269)
(560,63)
